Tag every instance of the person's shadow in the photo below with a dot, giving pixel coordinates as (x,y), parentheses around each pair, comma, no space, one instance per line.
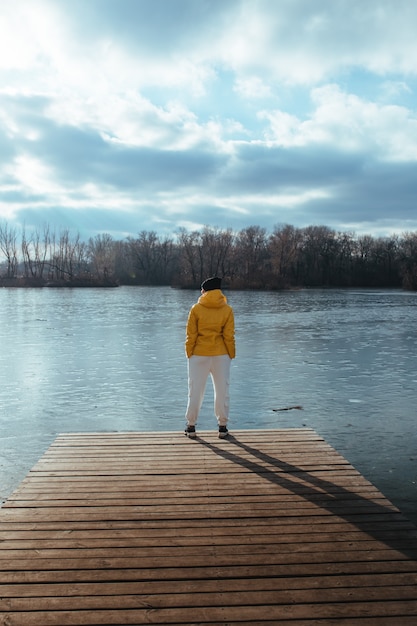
(381,521)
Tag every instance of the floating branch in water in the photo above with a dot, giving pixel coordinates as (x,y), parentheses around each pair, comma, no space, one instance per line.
(290,408)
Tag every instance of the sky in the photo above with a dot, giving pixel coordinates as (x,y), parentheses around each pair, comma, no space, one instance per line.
(123,116)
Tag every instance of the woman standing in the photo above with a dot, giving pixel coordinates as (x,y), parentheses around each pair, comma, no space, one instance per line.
(210,347)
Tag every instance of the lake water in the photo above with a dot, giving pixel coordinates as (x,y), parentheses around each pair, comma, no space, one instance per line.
(109,360)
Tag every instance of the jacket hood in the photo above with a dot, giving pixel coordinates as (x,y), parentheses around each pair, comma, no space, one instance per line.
(213,299)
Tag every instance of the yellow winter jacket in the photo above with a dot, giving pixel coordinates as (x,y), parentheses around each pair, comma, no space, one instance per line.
(210,326)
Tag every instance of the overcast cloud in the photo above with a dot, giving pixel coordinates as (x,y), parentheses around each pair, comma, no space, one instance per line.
(118,116)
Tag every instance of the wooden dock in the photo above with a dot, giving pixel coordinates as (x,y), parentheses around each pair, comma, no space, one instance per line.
(267,527)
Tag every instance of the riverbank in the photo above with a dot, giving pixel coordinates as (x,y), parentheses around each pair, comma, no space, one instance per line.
(38,283)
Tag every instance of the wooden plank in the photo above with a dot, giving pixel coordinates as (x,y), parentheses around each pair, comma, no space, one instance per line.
(277,614)
(176,597)
(268,527)
(236,533)
(385,584)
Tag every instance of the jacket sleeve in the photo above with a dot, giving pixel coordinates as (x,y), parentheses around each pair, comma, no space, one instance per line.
(229,335)
(191,333)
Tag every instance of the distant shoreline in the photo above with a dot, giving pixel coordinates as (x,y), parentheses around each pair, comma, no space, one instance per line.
(25,283)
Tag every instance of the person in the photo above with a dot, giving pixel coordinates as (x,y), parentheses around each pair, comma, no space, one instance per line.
(210,348)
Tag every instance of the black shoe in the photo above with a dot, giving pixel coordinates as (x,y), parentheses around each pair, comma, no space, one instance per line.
(190,432)
(223,432)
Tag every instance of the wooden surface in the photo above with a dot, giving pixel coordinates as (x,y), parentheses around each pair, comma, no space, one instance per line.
(268,527)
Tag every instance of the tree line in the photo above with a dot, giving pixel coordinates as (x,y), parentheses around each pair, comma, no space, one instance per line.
(252,258)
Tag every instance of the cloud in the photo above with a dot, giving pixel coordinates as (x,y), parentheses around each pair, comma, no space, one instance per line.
(131,114)
(351,123)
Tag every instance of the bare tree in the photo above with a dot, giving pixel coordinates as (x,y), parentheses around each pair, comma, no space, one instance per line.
(189,258)
(8,246)
(317,249)
(408,261)
(102,254)
(28,261)
(251,257)
(214,248)
(35,250)
(285,246)
(67,258)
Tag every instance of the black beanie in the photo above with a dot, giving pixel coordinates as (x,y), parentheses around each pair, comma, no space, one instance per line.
(212,283)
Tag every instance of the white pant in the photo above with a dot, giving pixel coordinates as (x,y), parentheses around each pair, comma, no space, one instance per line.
(199,367)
